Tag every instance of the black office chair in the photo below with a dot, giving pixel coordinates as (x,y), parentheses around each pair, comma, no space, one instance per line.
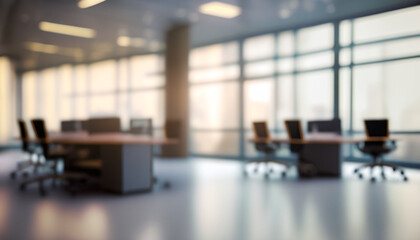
(26,148)
(51,155)
(141,126)
(71,126)
(104,125)
(267,149)
(294,132)
(377,149)
(325,126)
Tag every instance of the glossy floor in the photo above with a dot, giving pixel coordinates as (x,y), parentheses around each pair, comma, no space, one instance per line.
(210,199)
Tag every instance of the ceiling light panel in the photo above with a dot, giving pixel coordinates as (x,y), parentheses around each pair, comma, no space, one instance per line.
(67,30)
(220,9)
(88,3)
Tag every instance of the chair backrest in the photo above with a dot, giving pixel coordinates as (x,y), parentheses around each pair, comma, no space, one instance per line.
(23,131)
(142,126)
(294,129)
(84,125)
(41,134)
(173,128)
(377,128)
(261,130)
(104,125)
(71,126)
(325,126)
(39,128)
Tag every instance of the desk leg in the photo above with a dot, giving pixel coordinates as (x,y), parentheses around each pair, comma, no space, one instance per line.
(127,168)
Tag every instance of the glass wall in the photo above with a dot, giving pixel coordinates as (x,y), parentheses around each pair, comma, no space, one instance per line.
(8,124)
(379,75)
(129,88)
(214,100)
(292,74)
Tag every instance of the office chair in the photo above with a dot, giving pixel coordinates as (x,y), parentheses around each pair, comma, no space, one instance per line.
(267,149)
(325,126)
(71,126)
(26,148)
(104,125)
(377,149)
(51,155)
(294,132)
(142,126)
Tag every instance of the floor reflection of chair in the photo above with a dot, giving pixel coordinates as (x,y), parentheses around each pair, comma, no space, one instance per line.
(267,149)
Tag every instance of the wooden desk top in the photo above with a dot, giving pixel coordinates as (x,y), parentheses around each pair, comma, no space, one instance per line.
(83,138)
(325,139)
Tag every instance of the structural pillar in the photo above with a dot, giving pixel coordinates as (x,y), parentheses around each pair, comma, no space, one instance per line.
(176,67)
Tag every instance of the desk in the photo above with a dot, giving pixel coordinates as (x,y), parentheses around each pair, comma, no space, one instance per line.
(127,159)
(321,149)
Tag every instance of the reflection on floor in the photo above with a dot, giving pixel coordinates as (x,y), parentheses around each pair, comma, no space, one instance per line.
(210,199)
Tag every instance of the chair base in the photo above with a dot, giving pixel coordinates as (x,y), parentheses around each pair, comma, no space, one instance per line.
(25,165)
(61,177)
(371,166)
(268,170)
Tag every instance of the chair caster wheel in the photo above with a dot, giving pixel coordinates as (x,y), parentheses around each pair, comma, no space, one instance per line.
(372,179)
(13,175)
(360,176)
(25,175)
(22,187)
(283,174)
(405,179)
(167,185)
(395,169)
(402,172)
(356,170)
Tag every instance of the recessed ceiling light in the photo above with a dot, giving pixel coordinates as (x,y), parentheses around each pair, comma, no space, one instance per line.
(67,30)
(193,17)
(138,42)
(330,8)
(53,49)
(220,9)
(125,41)
(285,13)
(88,3)
(180,13)
(41,47)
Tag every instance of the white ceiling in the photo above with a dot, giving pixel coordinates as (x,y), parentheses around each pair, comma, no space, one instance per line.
(150,19)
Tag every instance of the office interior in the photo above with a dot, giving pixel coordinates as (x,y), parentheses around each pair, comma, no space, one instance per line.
(261,116)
